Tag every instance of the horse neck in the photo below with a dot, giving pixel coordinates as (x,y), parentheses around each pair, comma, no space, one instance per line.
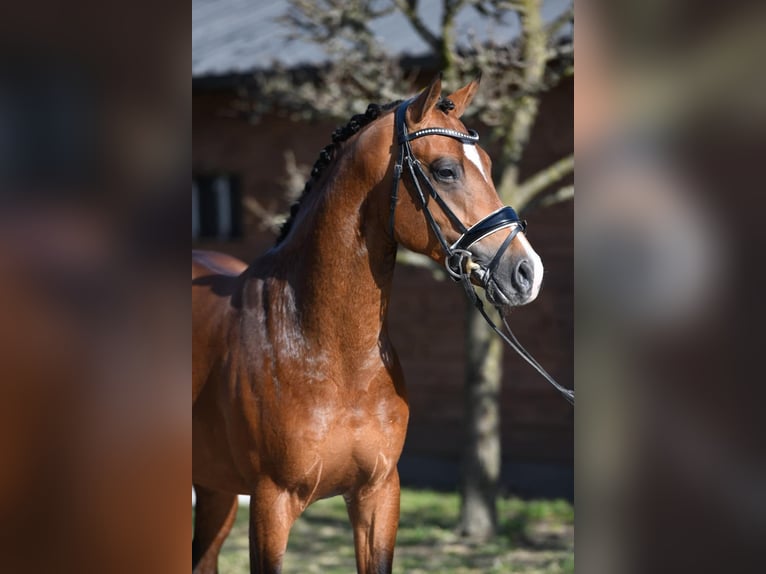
(339,263)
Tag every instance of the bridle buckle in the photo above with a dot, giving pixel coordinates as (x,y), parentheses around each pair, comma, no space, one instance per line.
(459,263)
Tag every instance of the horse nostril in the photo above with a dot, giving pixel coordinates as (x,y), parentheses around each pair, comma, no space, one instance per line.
(522,276)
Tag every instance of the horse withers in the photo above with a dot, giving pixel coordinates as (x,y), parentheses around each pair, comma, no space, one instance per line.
(297,391)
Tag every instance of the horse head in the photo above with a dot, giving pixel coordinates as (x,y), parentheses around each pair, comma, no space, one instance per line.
(451,211)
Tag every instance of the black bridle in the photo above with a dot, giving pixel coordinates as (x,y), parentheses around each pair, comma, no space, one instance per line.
(456,254)
(458,259)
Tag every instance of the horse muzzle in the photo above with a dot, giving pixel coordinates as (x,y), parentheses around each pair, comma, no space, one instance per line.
(507,280)
(513,284)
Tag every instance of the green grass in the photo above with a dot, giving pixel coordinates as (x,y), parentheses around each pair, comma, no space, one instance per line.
(535,537)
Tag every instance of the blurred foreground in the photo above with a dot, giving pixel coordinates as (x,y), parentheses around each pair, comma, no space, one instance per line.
(670,128)
(95,418)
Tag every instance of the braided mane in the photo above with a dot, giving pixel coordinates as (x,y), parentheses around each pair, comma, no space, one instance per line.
(340,135)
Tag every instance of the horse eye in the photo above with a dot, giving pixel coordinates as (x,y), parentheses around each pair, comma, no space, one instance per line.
(445,173)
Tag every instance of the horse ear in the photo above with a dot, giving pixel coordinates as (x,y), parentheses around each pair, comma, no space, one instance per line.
(464,95)
(425,102)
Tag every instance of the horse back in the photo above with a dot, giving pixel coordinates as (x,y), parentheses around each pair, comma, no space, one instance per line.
(211,263)
(215,282)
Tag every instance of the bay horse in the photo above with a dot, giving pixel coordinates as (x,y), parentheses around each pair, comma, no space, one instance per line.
(297,391)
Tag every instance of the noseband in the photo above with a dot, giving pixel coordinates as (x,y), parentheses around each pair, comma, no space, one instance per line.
(458,258)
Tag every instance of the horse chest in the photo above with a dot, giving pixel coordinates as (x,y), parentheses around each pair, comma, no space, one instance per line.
(318,428)
(344,445)
(346,430)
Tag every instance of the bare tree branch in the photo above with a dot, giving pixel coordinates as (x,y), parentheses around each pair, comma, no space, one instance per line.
(268,219)
(559,196)
(534,50)
(295,177)
(561,51)
(526,192)
(410,10)
(408,257)
(553,27)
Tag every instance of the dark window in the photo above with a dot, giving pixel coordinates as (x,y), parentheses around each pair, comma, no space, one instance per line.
(216,207)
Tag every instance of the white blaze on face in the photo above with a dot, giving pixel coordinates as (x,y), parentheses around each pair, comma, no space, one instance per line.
(535,262)
(473,156)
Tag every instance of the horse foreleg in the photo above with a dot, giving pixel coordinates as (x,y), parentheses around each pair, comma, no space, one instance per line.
(272,513)
(213,517)
(374,514)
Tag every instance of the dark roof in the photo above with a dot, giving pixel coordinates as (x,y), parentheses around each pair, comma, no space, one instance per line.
(238,36)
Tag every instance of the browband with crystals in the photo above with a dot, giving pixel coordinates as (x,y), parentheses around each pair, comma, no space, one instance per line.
(470,138)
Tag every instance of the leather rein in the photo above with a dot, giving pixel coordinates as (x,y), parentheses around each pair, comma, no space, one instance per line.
(458,259)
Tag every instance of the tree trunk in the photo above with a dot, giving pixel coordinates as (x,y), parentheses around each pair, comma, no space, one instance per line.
(481,450)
